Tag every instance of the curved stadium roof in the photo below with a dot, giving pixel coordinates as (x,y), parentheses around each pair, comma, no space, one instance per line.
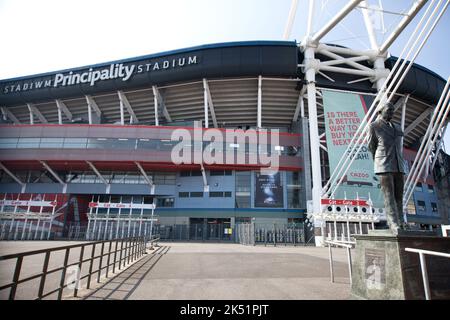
(231,70)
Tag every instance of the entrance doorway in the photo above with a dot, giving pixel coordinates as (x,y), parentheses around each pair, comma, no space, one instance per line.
(218,229)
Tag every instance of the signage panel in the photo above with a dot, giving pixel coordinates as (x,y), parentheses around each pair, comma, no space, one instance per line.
(344,113)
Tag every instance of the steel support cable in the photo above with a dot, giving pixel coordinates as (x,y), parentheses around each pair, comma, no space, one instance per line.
(437,113)
(398,84)
(433,136)
(383,93)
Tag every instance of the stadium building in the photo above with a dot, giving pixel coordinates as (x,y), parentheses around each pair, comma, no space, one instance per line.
(89,152)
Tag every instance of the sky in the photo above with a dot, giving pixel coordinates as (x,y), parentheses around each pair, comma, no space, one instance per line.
(48,35)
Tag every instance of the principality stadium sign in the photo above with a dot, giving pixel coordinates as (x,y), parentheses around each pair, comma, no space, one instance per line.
(266,58)
(92,76)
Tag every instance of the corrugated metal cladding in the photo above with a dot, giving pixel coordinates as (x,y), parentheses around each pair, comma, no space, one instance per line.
(216,61)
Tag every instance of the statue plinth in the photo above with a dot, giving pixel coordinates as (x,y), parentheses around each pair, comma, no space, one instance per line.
(383,270)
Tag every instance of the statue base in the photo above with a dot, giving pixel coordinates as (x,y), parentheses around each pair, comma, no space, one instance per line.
(383,270)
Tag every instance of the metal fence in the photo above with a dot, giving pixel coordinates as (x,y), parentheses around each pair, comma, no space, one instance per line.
(219,232)
(252,234)
(114,254)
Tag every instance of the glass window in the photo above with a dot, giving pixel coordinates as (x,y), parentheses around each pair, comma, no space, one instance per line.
(243,186)
(5,178)
(228,172)
(421,205)
(227,194)
(183,194)
(8,143)
(196,194)
(430,189)
(148,200)
(118,177)
(166,145)
(28,143)
(293,189)
(136,211)
(216,194)
(89,178)
(216,173)
(165,202)
(196,173)
(185,173)
(78,143)
(419,187)
(147,144)
(434,207)
(101,143)
(51,142)
(123,143)
(132,178)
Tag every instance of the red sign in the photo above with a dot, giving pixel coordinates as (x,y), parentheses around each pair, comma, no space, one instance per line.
(25,203)
(121,205)
(342,202)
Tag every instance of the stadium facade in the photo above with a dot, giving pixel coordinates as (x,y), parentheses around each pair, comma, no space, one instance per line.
(89,150)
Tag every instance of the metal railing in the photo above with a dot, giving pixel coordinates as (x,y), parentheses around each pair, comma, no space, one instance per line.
(122,252)
(253,234)
(423,266)
(345,244)
(153,242)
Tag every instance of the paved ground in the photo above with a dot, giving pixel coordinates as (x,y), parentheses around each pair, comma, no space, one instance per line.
(229,271)
(32,265)
(201,271)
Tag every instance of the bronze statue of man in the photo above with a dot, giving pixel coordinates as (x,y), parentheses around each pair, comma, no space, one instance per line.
(386,146)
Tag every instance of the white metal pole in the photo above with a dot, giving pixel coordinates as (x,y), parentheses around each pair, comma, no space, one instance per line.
(118,224)
(129,221)
(94,236)
(155,102)
(37,228)
(107,220)
(313,130)
(369,26)
(382,95)
(402,123)
(291,19)
(402,25)
(259,115)
(122,113)
(51,219)
(423,266)
(141,216)
(349,261)
(309,27)
(205,103)
(151,220)
(336,19)
(421,154)
(331,263)
(335,229)
(90,111)
(26,217)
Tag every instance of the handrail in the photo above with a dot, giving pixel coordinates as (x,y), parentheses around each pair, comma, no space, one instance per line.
(423,266)
(130,249)
(154,240)
(345,244)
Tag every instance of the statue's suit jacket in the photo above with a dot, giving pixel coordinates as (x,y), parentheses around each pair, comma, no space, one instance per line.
(385,144)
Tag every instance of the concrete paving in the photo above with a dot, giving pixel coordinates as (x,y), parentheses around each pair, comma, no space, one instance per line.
(32,265)
(206,271)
